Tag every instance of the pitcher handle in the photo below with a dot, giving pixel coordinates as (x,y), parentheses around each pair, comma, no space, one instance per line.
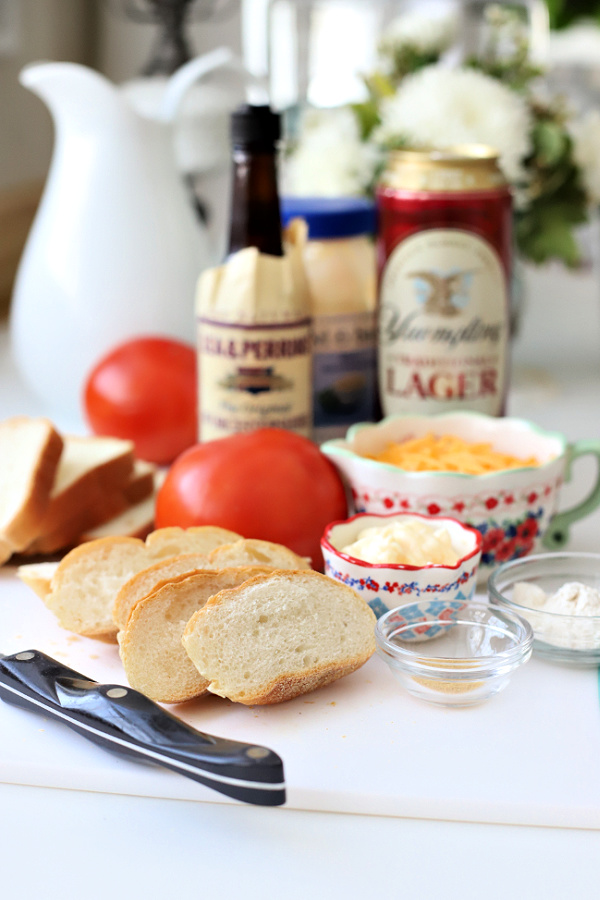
(557,533)
(194,70)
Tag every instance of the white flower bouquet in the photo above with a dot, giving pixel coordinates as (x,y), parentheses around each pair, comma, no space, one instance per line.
(416,99)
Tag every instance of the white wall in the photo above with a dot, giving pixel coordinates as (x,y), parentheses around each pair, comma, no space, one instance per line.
(123,47)
(45,29)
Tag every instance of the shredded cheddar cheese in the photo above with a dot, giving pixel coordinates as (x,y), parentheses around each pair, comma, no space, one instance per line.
(447,453)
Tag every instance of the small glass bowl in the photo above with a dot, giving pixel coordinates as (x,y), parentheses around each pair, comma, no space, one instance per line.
(570,639)
(452,653)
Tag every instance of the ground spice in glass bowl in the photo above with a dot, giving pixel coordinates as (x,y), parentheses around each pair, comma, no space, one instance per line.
(453,653)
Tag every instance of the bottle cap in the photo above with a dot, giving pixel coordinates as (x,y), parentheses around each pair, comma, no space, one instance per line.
(255,126)
(331,217)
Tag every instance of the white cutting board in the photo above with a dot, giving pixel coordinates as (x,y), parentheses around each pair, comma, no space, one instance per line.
(527,756)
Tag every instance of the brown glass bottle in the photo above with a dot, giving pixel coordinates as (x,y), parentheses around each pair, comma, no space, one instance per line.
(255,216)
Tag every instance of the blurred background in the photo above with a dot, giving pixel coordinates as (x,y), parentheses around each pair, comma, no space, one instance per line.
(313,52)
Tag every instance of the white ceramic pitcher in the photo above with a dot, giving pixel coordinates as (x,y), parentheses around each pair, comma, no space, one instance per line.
(116,248)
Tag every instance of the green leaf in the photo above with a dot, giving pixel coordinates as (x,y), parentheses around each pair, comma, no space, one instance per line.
(551,143)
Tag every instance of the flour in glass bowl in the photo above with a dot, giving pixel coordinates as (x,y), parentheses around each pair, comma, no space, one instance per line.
(577,601)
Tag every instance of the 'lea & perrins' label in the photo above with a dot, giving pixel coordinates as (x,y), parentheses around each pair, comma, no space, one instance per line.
(259,376)
(443,325)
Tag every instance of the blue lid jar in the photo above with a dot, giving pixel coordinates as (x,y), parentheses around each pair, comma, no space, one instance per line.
(331,217)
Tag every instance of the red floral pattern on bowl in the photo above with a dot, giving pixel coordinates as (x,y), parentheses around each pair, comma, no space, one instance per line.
(517,507)
(381,584)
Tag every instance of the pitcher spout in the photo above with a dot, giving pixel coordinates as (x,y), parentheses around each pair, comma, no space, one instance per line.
(73,92)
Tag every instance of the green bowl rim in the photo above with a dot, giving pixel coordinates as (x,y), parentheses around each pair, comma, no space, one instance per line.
(334,447)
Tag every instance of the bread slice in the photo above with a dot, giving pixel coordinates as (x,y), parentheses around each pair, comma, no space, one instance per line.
(89,488)
(137,521)
(86,583)
(278,636)
(241,553)
(144,481)
(251,552)
(172,541)
(30,452)
(88,578)
(153,657)
(143,583)
(38,576)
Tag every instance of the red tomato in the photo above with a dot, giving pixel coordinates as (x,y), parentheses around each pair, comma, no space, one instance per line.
(268,484)
(144,390)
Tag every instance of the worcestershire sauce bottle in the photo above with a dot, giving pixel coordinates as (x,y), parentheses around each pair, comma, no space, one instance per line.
(255,214)
(254,329)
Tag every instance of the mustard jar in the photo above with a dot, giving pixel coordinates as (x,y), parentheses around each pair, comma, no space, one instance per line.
(340,265)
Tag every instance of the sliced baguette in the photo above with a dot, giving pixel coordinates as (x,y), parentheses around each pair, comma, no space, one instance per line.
(240,553)
(38,576)
(143,583)
(152,654)
(172,541)
(30,452)
(278,636)
(251,552)
(88,578)
(89,488)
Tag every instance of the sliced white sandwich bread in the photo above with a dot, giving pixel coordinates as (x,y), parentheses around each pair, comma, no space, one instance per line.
(278,636)
(30,452)
(153,656)
(87,580)
(90,487)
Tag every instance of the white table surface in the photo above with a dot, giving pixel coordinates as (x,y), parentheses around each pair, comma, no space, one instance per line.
(77,844)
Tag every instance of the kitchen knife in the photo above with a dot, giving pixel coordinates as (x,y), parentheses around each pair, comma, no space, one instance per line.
(129,724)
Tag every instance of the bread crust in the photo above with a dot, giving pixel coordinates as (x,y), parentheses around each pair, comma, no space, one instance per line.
(155,627)
(288,683)
(17,533)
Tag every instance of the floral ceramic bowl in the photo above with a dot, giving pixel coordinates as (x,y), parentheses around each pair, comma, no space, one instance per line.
(514,510)
(385,586)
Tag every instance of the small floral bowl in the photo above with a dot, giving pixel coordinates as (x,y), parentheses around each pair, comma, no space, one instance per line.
(451,653)
(386,585)
(514,510)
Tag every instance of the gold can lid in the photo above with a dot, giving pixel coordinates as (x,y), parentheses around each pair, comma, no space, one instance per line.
(462,167)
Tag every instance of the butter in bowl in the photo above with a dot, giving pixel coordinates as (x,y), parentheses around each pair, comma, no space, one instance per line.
(389,559)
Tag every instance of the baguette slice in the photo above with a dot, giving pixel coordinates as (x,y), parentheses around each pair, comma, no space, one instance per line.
(153,657)
(172,541)
(251,552)
(278,636)
(38,576)
(88,578)
(30,452)
(145,582)
(90,487)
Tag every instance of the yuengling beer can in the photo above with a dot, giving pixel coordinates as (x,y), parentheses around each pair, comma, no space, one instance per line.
(444,252)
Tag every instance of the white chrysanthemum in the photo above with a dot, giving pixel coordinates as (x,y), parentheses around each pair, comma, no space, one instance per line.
(586,151)
(438,107)
(424,33)
(330,159)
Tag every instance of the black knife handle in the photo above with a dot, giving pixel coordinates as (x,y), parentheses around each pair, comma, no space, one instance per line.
(127,723)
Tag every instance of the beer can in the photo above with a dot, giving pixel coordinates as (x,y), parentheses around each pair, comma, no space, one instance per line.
(444,263)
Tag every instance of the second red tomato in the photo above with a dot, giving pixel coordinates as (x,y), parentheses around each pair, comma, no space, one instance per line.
(144,390)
